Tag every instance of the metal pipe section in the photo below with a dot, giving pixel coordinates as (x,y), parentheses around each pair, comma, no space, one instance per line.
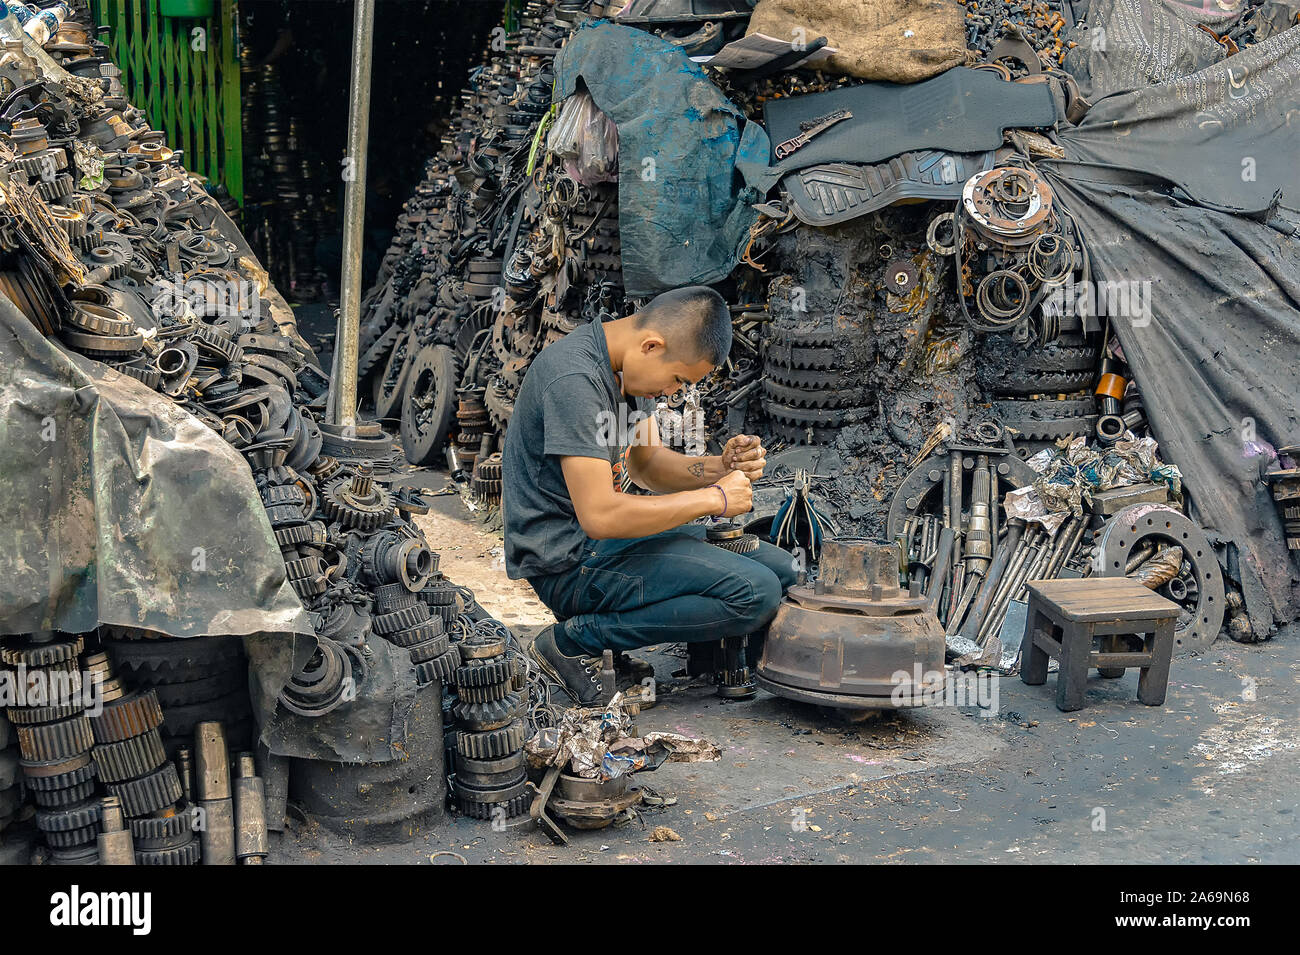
(342,404)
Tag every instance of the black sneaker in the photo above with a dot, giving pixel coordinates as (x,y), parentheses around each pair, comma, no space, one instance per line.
(580,676)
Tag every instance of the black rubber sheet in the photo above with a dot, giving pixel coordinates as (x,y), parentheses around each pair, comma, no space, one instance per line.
(1160,198)
(959,111)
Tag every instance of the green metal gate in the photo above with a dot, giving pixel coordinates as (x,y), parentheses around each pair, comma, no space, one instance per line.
(184,74)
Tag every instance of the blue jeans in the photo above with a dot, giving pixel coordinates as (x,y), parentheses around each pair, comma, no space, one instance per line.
(673,587)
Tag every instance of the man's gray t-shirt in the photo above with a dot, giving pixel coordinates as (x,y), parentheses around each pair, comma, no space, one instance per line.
(570,404)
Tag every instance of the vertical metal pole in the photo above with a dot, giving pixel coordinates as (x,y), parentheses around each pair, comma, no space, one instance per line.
(342,406)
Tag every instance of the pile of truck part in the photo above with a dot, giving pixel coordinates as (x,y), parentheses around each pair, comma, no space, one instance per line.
(490,778)
(55,739)
(854,638)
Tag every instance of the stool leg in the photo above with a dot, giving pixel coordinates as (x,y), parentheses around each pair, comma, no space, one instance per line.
(1033,658)
(1153,681)
(1076,654)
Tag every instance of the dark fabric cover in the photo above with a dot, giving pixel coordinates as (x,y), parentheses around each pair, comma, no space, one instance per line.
(960,111)
(1217,362)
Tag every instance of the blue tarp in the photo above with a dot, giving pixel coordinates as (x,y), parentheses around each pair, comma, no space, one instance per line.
(690,165)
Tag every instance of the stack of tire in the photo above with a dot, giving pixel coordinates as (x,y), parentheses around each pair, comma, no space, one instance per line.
(132,763)
(55,740)
(490,779)
(195,679)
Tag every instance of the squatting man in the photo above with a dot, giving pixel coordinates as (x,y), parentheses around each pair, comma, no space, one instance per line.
(624,570)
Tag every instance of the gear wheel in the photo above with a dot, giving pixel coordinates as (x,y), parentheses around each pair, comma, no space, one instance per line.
(405,619)
(66,773)
(481,717)
(358,503)
(174,660)
(436,647)
(27,715)
(69,818)
(421,633)
(28,652)
(187,854)
(485,694)
(148,794)
(57,798)
(161,832)
(493,744)
(131,758)
(73,837)
(53,741)
(821,398)
(439,593)
(485,673)
(439,669)
(132,715)
(480,804)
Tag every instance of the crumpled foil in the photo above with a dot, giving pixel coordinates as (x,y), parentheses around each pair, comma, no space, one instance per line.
(597,744)
(1069,475)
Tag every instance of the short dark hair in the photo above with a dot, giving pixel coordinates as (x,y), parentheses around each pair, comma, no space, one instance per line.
(695,314)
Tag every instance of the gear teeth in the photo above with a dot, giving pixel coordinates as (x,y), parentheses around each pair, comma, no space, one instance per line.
(485,673)
(52,741)
(441,593)
(436,647)
(131,758)
(161,832)
(72,838)
(187,854)
(493,744)
(403,619)
(70,818)
(132,715)
(478,804)
(480,717)
(148,794)
(27,715)
(25,652)
(484,694)
(439,669)
(422,632)
(57,798)
(80,769)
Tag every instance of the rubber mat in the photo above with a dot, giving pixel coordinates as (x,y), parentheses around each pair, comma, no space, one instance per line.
(962,111)
(837,192)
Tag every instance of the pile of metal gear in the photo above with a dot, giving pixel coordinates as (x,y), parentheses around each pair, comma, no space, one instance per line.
(489,779)
(116,252)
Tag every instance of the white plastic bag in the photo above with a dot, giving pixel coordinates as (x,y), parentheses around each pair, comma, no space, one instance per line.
(586,140)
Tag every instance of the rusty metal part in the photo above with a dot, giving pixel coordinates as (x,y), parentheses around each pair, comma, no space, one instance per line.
(856,640)
(1141,524)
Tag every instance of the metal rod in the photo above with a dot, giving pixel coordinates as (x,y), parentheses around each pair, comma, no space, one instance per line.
(342,405)
(975,619)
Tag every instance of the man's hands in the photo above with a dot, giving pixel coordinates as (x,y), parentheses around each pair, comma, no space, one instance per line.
(745,453)
(740,495)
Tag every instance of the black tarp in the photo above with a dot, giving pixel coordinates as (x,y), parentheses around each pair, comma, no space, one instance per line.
(1191,185)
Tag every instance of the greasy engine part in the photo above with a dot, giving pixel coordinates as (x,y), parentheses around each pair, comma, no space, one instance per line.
(212,787)
(381,802)
(582,803)
(115,845)
(1140,525)
(854,639)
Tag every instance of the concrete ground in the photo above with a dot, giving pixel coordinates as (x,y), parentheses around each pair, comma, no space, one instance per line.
(1212,776)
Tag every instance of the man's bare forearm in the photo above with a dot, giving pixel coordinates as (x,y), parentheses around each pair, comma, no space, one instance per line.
(665,471)
(638,515)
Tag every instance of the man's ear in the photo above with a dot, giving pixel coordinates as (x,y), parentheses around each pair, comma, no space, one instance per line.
(652,341)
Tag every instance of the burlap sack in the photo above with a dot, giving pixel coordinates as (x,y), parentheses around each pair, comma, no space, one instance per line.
(900,41)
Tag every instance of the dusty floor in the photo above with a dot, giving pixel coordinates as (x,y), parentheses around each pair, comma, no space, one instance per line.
(1213,775)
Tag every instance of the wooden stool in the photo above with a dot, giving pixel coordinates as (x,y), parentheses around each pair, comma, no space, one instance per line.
(1084,608)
